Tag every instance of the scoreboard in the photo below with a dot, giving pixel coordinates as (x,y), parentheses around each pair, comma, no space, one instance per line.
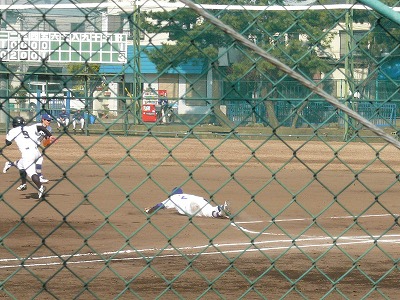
(60,47)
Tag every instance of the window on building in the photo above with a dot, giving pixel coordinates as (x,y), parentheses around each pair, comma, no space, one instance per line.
(196,90)
(52,25)
(284,38)
(77,27)
(115,24)
(169,83)
(353,42)
(48,25)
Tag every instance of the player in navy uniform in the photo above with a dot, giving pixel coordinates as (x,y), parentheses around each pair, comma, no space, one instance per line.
(46,120)
(63,119)
(78,117)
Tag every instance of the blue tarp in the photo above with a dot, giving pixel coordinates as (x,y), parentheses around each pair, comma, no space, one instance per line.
(147,67)
(390,70)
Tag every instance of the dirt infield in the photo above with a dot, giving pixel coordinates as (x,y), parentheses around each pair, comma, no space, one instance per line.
(309,220)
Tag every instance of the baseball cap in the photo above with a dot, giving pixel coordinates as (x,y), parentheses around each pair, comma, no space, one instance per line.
(176,190)
(47,117)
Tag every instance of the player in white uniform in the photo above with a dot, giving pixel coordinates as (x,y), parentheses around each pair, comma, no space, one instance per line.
(26,138)
(191,205)
(46,119)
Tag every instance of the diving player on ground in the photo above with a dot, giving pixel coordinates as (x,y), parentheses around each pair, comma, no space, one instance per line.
(191,205)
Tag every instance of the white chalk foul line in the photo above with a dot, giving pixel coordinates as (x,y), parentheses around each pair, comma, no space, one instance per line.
(242,228)
(264,246)
(149,257)
(261,246)
(309,219)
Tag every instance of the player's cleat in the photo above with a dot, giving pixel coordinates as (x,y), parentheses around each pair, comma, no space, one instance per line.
(43,180)
(41,191)
(225,210)
(7,166)
(22,187)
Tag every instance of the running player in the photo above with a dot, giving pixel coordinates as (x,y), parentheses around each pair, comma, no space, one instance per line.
(26,138)
(191,205)
(46,120)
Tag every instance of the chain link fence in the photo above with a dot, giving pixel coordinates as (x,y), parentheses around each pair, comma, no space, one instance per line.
(288,109)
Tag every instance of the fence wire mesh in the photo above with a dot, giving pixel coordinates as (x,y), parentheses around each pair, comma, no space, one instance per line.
(283,111)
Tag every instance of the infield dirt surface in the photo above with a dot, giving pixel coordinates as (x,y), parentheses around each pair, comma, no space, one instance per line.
(309,220)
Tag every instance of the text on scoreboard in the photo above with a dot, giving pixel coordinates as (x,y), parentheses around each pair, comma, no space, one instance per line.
(77,47)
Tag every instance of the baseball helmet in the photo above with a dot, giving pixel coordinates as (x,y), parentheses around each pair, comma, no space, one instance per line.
(176,190)
(18,121)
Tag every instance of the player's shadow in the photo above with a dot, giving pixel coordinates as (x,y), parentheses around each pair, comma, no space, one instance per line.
(33,196)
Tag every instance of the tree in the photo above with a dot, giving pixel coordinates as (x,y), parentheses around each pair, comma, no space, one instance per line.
(295,37)
(86,78)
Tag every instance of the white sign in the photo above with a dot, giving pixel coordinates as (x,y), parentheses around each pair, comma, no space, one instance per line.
(77,47)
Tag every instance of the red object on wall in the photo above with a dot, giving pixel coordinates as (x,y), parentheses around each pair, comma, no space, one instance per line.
(162,93)
(149,113)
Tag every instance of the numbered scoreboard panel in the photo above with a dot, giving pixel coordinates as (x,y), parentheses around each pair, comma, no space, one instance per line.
(59,47)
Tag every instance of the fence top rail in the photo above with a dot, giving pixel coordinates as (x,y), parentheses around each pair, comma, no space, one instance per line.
(174,5)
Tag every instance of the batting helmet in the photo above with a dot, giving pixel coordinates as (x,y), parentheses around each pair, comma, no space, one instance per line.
(18,121)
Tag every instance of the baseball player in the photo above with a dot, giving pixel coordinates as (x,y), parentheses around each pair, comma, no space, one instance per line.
(191,205)
(78,117)
(63,119)
(46,119)
(26,138)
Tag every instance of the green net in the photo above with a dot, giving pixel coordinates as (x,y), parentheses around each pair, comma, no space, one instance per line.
(277,119)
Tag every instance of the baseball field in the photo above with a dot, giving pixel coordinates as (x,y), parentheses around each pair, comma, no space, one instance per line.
(309,220)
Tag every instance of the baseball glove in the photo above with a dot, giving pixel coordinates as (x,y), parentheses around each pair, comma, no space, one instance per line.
(150,210)
(48,141)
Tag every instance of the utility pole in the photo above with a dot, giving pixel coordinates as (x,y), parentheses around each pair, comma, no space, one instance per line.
(349,72)
(135,64)
(4,77)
